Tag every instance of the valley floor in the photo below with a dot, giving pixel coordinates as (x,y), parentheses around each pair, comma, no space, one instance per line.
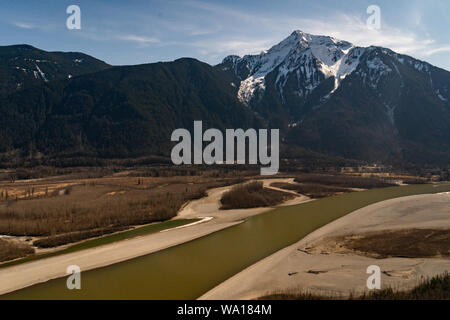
(207,209)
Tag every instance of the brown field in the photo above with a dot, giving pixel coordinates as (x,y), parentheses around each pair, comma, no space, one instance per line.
(58,210)
(325,185)
(407,243)
(252,195)
(312,190)
(344,181)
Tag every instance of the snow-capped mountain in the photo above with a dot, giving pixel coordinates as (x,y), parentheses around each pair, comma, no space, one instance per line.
(335,97)
(311,59)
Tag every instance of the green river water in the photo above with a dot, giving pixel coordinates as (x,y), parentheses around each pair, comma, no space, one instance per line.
(188,270)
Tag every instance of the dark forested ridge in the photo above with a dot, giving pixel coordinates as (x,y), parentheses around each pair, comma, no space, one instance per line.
(391,108)
(120,112)
(24,65)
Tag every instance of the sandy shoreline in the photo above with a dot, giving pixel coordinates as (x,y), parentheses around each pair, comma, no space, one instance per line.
(207,208)
(339,274)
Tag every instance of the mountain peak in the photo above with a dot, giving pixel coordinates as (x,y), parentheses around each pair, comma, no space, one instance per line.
(297,33)
(313,38)
(313,57)
(22,46)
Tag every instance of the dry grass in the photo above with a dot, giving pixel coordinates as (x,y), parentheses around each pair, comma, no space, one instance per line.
(10,250)
(435,288)
(87,207)
(325,185)
(414,181)
(252,195)
(408,243)
(312,190)
(78,209)
(344,181)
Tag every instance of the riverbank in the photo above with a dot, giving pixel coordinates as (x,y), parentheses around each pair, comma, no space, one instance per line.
(318,264)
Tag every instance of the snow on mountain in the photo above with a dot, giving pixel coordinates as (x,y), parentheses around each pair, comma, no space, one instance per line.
(310,58)
(440,96)
(376,70)
(249,86)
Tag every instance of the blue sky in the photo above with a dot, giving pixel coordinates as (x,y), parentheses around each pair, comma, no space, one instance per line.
(132,32)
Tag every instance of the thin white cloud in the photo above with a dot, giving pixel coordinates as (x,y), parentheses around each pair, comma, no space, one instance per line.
(202,32)
(23,25)
(189,28)
(354,29)
(211,31)
(221,10)
(240,46)
(437,50)
(271,29)
(141,40)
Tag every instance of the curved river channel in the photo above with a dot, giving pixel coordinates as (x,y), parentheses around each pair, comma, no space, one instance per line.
(189,270)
